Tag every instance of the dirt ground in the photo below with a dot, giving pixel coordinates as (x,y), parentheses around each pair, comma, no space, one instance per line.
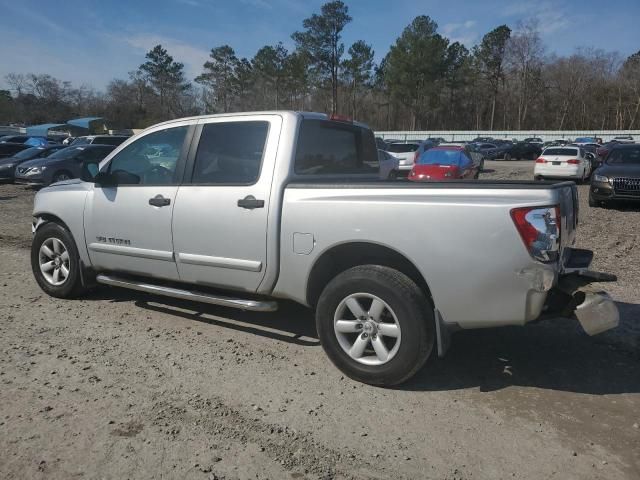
(126,385)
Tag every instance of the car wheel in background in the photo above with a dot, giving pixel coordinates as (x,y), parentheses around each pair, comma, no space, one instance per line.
(55,261)
(61,176)
(507,156)
(375,324)
(538,178)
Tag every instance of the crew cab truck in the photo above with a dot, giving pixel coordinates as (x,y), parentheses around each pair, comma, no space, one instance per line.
(243,210)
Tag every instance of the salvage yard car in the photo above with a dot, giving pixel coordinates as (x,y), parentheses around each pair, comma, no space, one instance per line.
(247,209)
(563,162)
(8,165)
(618,179)
(61,165)
(405,152)
(445,163)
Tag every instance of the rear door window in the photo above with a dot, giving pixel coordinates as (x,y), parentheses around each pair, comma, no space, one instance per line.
(230,153)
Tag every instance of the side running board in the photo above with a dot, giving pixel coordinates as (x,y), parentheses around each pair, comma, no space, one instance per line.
(242,304)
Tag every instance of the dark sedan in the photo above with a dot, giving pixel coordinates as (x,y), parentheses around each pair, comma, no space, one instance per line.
(10,149)
(523,150)
(618,178)
(8,165)
(62,165)
(14,138)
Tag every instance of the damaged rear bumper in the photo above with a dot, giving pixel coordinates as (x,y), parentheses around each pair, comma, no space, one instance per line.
(576,294)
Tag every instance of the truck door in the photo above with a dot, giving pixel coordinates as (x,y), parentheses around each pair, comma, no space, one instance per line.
(221,211)
(128,226)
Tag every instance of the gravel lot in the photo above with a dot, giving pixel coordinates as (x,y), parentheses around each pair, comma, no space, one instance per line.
(124,385)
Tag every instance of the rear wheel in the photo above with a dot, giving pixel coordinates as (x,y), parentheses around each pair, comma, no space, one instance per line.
(375,325)
(55,262)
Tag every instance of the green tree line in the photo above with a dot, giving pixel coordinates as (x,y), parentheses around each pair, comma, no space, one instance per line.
(425,81)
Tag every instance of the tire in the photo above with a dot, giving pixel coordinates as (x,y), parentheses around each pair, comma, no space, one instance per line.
(538,178)
(61,176)
(393,175)
(507,157)
(404,311)
(57,240)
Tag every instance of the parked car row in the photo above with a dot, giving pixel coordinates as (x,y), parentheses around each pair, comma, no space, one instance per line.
(42,166)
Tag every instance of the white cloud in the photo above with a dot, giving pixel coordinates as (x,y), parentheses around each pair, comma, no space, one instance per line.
(551,16)
(462,32)
(192,57)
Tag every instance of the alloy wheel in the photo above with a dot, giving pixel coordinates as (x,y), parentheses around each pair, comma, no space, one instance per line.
(367,329)
(54,261)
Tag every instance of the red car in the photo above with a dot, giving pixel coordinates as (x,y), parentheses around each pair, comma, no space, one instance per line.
(445,163)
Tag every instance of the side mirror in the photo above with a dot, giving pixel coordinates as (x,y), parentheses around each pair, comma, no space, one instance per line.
(105,179)
(89,170)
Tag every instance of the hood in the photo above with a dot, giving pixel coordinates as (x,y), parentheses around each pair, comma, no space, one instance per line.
(73,184)
(434,172)
(620,170)
(9,161)
(36,162)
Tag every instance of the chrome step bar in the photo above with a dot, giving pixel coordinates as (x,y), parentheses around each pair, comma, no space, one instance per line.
(242,304)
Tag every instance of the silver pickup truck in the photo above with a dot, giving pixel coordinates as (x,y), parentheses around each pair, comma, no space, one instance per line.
(242,210)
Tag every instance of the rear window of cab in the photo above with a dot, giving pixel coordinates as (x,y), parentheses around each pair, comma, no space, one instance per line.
(335,148)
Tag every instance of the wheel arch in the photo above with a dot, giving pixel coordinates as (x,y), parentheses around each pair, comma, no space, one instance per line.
(344,256)
(43,218)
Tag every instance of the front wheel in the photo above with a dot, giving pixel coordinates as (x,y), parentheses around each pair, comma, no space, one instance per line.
(375,325)
(55,262)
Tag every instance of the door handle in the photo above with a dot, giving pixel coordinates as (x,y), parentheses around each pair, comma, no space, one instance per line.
(159,201)
(250,202)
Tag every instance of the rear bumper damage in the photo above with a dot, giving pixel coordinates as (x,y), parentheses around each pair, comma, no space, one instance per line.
(576,294)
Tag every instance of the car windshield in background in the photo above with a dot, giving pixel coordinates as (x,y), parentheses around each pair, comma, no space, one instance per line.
(624,156)
(28,153)
(561,152)
(440,157)
(402,147)
(66,153)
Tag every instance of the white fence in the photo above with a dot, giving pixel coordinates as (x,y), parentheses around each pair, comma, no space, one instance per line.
(545,135)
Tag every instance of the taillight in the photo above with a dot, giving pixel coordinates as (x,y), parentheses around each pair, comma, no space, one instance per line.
(573,161)
(539,228)
(541,160)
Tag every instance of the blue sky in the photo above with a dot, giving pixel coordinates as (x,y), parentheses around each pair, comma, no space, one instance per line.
(90,42)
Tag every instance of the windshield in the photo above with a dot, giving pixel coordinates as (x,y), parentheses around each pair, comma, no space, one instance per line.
(402,147)
(28,153)
(626,156)
(561,151)
(66,153)
(441,157)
